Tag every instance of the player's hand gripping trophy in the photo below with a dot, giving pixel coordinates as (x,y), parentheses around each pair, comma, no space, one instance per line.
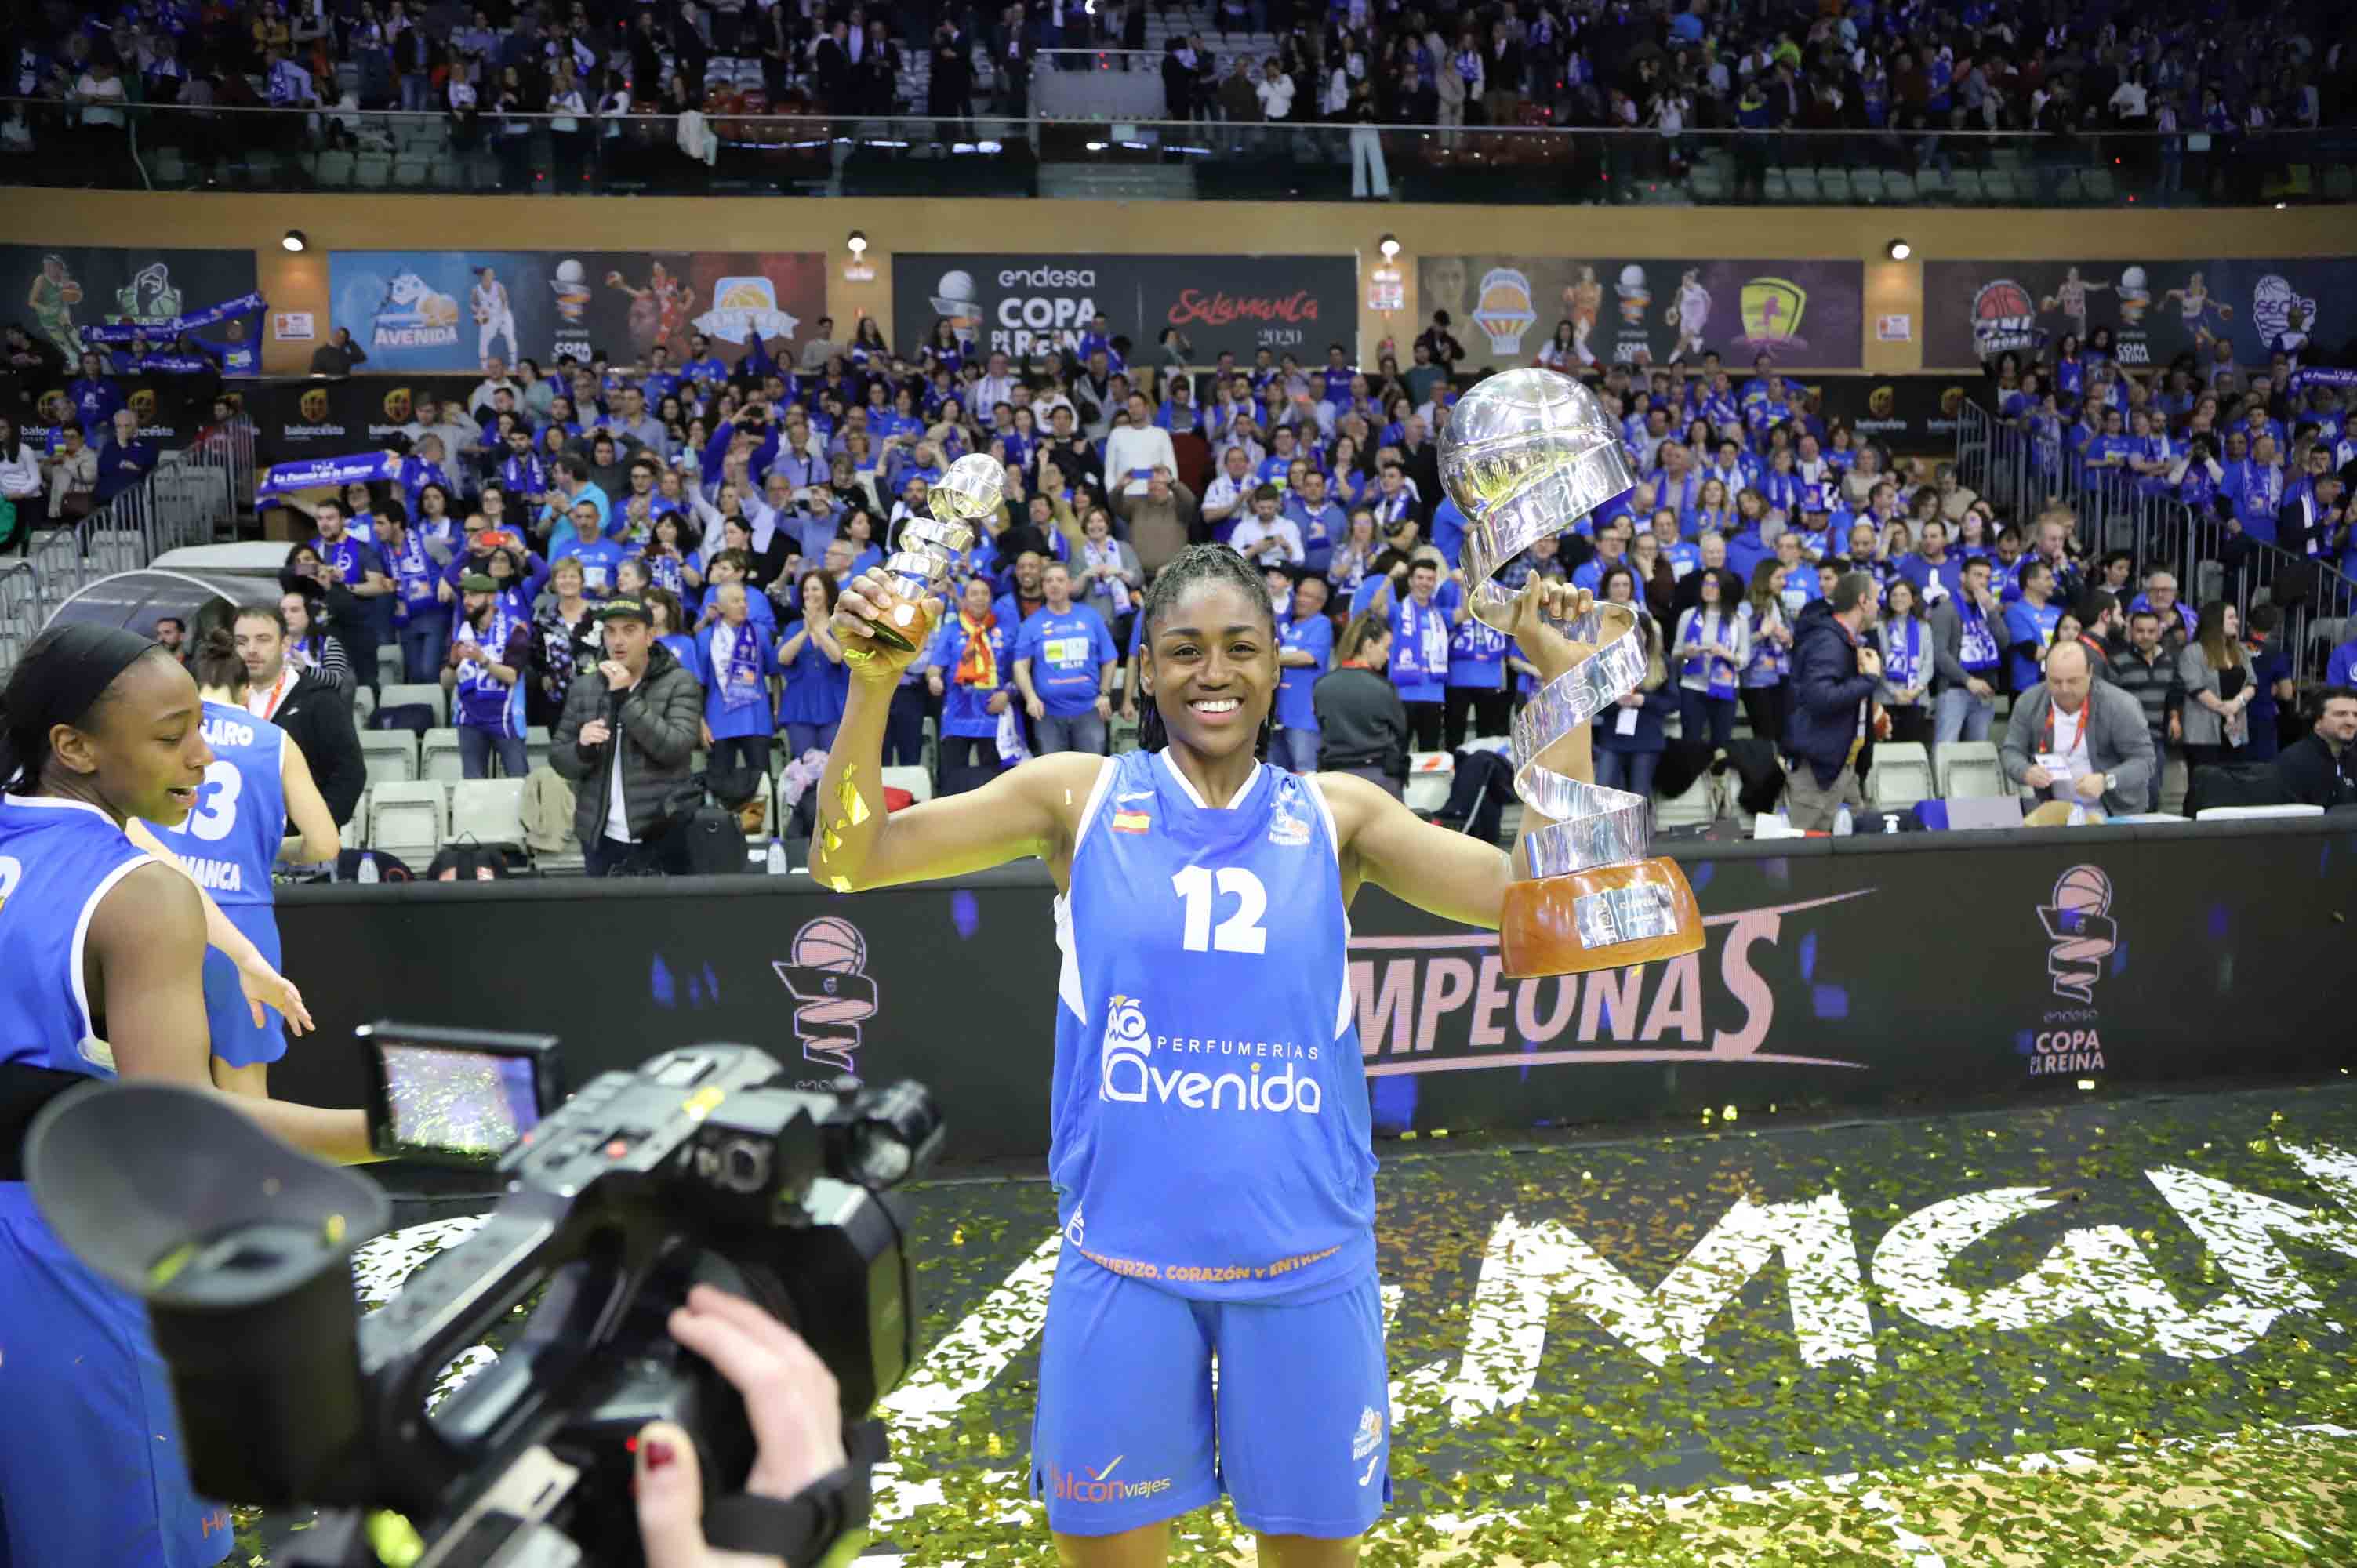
(959,499)
(1526,453)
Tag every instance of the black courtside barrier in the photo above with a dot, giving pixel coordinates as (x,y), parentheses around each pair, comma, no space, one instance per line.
(1864,972)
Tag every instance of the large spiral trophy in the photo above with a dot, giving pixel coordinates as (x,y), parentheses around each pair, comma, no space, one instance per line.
(958,500)
(1526,453)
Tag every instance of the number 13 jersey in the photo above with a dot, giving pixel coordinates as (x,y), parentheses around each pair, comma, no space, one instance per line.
(1211,1132)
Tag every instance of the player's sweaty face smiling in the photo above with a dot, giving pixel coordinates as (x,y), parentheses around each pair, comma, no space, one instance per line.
(1213,668)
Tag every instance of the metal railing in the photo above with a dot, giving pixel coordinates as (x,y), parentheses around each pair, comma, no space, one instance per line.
(2020,473)
(1002,154)
(188,499)
(22,611)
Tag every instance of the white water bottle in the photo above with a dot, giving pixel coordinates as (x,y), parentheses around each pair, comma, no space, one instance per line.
(777,858)
(368,869)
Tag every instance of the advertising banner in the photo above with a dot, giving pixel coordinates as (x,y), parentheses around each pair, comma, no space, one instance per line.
(449,310)
(2080,948)
(1505,309)
(2156,310)
(1026,304)
(300,419)
(1912,415)
(58,290)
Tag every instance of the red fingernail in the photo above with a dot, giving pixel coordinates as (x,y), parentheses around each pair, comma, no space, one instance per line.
(657,1453)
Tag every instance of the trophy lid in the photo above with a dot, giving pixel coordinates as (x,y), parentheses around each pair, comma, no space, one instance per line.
(969,491)
(1520,426)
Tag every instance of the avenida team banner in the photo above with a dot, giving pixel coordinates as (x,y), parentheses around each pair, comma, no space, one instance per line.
(451,310)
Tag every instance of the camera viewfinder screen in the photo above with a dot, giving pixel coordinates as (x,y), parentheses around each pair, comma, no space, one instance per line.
(457,1101)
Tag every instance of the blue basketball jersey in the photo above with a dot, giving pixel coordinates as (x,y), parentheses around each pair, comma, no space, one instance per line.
(230,838)
(57,859)
(1210,1125)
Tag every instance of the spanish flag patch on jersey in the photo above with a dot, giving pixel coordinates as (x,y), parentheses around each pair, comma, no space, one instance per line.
(1132,822)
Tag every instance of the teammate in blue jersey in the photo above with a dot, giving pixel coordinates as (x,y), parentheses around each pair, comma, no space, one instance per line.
(256,783)
(103,946)
(1210,1150)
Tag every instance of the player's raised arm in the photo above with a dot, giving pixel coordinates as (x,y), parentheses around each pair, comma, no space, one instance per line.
(1439,871)
(1027,812)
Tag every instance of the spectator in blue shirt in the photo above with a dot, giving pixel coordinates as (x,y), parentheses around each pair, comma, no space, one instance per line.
(735,661)
(1321,522)
(1306,647)
(93,394)
(2271,683)
(972,669)
(598,555)
(2029,624)
(818,682)
(1063,663)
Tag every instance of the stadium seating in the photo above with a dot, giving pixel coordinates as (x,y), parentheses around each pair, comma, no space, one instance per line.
(438,758)
(1968,769)
(1902,774)
(391,756)
(432,696)
(486,811)
(411,821)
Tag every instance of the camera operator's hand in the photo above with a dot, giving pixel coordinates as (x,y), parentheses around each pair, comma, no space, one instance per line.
(791,1400)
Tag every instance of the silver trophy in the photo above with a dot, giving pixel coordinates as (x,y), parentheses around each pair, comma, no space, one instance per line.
(959,499)
(1528,453)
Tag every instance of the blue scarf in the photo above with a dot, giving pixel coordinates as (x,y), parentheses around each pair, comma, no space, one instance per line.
(666,572)
(1716,671)
(738,670)
(414,570)
(526,476)
(1420,651)
(1906,656)
(1978,649)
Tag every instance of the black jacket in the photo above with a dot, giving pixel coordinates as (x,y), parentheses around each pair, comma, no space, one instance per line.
(2312,776)
(1826,692)
(319,720)
(657,721)
(1361,721)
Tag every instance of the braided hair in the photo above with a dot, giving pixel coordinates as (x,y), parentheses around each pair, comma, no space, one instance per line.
(1199,564)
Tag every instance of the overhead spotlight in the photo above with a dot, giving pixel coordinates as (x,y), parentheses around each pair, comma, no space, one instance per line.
(1389,245)
(293,240)
(859,242)
(1898,250)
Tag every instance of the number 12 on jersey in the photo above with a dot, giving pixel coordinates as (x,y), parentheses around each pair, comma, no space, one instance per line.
(1240,931)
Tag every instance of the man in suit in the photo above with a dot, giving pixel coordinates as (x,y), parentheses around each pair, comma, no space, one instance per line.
(314,714)
(2074,738)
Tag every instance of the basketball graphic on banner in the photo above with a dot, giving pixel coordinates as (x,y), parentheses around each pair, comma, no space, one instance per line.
(829,943)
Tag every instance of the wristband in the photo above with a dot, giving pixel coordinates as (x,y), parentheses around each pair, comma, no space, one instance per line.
(805,1528)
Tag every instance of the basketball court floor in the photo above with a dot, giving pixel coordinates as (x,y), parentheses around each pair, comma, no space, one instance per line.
(2089,1330)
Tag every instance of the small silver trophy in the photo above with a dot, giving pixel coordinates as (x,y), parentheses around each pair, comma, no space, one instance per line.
(959,501)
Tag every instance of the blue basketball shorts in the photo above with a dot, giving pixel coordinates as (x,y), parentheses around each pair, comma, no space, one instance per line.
(91,1469)
(1130,1431)
(235,1040)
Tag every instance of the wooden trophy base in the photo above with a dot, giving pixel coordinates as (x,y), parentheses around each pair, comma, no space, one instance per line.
(903,623)
(1540,927)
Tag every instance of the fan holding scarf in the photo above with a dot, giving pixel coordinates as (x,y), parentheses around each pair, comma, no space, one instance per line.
(1713,646)
(1421,625)
(734,662)
(1907,664)
(490,647)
